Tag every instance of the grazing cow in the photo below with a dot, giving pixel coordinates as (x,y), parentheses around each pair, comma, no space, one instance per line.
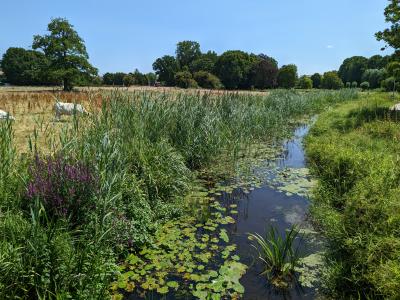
(5,115)
(396,107)
(68,109)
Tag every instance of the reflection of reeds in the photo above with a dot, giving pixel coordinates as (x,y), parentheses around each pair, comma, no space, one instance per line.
(278,254)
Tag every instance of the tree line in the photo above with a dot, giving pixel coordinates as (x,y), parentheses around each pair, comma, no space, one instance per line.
(60,58)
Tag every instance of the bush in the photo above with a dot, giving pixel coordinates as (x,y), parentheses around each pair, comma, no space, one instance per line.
(354,84)
(305,83)
(388,85)
(185,80)
(331,81)
(287,76)
(207,80)
(348,85)
(364,85)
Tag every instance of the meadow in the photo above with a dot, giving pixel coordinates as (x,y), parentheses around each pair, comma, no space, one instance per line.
(354,151)
(85,193)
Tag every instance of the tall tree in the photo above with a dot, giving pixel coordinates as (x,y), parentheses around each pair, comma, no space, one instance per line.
(206,62)
(166,68)
(187,52)
(287,76)
(316,79)
(65,51)
(25,67)
(353,68)
(391,35)
(264,72)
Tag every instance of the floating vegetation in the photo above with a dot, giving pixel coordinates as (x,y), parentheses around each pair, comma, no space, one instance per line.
(310,269)
(186,257)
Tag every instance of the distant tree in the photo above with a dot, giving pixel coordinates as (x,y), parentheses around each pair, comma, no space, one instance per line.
(378,61)
(119,78)
(207,80)
(206,62)
(391,36)
(353,68)
(264,72)
(166,67)
(390,85)
(108,79)
(140,78)
(96,81)
(25,67)
(185,80)
(287,76)
(65,51)
(374,77)
(233,69)
(393,70)
(364,85)
(331,81)
(316,79)
(151,78)
(129,80)
(187,52)
(305,83)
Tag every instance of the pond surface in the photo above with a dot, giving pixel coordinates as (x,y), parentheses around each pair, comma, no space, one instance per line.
(267,206)
(201,257)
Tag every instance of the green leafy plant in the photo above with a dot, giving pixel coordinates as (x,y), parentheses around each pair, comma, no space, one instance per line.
(278,253)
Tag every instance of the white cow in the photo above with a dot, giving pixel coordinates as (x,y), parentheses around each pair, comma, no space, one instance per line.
(396,107)
(68,109)
(5,115)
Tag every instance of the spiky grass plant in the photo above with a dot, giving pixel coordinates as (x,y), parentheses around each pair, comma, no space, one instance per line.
(278,254)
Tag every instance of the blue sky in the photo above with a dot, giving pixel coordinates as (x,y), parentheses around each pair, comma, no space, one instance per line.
(122,35)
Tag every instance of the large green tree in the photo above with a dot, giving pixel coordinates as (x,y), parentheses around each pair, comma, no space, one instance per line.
(287,76)
(264,72)
(331,81)
(353,68)
(206,62)
(66,52)
(166,68)
(233,68)
(187,52)
(316,79)
(391,35)
(25,67)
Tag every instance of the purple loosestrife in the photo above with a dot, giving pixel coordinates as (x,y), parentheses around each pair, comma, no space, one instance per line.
(66,189)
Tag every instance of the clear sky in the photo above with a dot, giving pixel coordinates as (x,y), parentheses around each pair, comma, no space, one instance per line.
(122,35)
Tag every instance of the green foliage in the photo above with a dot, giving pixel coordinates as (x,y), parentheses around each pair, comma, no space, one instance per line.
(206,62)
(378,61)
(114,78)
(354,84)
(391,35)
(187,52)
(207,80)
(166,67)
(128,80)
(233,68)
(331,81)
(264,72)
(305,83)
(287,76)
(25,67)
(353,68)
(365,85)
(278,253)
(374,77)
(390,84)
(353,150)
(317,80)
(66,52)
(185,80)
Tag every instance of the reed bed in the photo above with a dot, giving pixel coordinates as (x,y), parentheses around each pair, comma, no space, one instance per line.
(138,154)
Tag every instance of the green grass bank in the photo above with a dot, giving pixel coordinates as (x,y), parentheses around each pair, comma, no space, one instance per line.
(354,150)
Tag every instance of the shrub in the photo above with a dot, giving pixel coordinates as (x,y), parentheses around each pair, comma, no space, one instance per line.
(354,84)
(207,80)
(331,81)
(305,83)
(348,85)
(287,76)
(316,79)
(364,85)
(65,189)
(389,83)
(185,80)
